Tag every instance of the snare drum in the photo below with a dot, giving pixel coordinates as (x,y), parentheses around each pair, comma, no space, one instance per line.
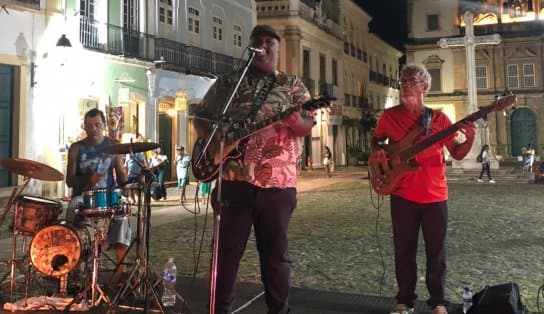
(57,249)
(33,213)
(100,202)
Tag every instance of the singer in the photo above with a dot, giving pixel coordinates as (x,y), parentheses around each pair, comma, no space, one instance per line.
(259,187)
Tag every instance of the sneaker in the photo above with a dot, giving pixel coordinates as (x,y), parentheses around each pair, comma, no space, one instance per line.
(402,309)
(439,309)
(491,181)
(480,180)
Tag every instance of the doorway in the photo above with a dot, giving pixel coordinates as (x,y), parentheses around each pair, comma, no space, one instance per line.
(523,130)
(165,140)
(6,119)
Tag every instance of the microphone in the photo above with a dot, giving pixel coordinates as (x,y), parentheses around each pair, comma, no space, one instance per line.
(256,50)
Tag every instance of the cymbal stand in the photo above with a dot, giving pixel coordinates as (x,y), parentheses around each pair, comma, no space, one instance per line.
(221,127)
(141,265)
(11,202)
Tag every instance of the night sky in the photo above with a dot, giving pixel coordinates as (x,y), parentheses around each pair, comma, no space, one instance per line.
(388,20)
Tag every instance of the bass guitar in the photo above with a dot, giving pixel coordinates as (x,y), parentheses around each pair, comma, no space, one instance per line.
(400,155)
(205,165)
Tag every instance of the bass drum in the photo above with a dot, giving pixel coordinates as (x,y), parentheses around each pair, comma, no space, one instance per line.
(57,249)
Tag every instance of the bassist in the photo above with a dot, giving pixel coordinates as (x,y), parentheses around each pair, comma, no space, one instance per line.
(419,198)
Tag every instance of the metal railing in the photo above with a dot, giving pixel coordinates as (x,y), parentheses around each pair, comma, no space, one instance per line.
(116,40)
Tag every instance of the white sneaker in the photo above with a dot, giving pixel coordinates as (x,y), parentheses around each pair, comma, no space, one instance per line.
(480,180)
(402,309)
(491,181)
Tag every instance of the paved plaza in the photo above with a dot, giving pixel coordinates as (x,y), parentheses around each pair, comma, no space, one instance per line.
(494,236)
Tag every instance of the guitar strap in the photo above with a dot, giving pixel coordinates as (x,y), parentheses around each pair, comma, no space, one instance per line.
(426,120)
(261,96)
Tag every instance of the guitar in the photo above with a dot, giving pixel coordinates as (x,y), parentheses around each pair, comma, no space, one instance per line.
(206,166)
(400,154)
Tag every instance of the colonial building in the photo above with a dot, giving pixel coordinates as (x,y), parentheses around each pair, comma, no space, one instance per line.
(140,61)
(513,65)
(327,44)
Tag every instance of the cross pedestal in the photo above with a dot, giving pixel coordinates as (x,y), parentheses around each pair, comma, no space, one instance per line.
(470,42)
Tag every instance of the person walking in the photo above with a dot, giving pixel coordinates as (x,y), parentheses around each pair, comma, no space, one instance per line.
(183,161)
(485,158)
(419,200)
(328,162)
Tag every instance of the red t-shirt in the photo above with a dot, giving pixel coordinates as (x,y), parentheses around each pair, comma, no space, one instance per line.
(428,184)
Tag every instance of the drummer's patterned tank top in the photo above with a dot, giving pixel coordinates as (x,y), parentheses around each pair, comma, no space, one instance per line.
(90,159)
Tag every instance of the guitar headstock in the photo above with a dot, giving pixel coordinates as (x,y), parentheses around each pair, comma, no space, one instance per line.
(501,103)
(316,103)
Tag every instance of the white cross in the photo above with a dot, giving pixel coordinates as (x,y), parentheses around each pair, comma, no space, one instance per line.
(470,42)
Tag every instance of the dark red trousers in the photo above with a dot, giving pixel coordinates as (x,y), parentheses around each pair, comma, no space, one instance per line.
(269,212)
(407,218)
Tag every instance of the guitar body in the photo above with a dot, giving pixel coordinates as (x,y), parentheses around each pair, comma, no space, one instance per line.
(383,181)
(400,155)
(207,168)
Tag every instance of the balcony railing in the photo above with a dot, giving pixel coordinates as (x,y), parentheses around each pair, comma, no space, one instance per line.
(32,4)
(177,56)
(310,85)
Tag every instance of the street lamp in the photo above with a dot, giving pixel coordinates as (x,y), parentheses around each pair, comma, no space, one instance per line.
(63,42)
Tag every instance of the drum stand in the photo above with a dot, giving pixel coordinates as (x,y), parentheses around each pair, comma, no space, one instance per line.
(141,267)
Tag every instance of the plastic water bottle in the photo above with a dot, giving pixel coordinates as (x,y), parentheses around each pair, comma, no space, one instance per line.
(467,298)
(169,282)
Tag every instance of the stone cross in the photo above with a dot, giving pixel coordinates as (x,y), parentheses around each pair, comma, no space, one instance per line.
(470,42)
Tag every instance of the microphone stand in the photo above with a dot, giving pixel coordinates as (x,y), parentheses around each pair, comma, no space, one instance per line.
(221,127)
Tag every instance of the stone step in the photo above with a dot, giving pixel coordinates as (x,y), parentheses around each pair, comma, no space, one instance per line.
(505,174)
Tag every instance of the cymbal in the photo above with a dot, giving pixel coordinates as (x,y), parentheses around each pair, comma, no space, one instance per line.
(31,169)
(128,147)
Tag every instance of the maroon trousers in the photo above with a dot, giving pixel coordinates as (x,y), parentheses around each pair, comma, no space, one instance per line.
(269,212)
(407,218)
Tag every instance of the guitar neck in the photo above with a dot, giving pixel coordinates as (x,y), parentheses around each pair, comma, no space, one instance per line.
(442,134)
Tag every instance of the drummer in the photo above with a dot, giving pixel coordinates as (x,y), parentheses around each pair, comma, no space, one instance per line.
(89,169)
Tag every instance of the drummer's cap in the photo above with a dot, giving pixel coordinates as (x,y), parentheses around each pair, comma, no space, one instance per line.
(180,148)
(264,29)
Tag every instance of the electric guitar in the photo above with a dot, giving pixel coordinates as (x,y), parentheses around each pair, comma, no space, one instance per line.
(206,166)
(400,154)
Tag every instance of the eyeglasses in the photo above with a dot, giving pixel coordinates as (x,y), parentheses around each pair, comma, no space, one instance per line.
(409,82)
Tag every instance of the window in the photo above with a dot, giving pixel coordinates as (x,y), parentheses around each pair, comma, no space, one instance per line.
(165,12)
(347,99)
(481,77)
(193,20)
(237,36)
(334,72)
(217,28)
(436,85)
(432,22)
(528,75)
(512,76)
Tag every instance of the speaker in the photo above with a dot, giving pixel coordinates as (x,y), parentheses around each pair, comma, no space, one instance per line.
(504,299)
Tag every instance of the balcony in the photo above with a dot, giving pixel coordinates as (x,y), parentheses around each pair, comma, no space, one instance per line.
(529,28)
(282,9)
(22,4)
(115,40)
(310,85)
(326,88)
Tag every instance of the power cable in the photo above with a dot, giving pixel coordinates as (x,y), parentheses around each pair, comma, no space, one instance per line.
(377,204)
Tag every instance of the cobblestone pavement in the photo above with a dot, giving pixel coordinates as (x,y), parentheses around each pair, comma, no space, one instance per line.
(494,236)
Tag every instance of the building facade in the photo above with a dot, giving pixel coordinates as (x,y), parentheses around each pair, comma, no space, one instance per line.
(514,65)
(139,61)
(328,45)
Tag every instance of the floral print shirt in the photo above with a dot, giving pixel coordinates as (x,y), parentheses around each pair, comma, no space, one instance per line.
(266,156)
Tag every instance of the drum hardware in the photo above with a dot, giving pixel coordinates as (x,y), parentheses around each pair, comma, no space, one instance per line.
(128,148)
(141,269)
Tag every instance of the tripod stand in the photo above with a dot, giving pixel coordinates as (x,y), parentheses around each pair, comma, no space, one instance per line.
(141,269)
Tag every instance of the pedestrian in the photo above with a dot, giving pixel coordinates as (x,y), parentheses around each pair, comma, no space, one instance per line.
(158,163)
(328,162)
(183,161)
(133,168)
(485,158)
(259,186)
(419,200)
(204,189)
(529,159)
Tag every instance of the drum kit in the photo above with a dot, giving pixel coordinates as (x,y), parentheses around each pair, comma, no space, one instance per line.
(58,247)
